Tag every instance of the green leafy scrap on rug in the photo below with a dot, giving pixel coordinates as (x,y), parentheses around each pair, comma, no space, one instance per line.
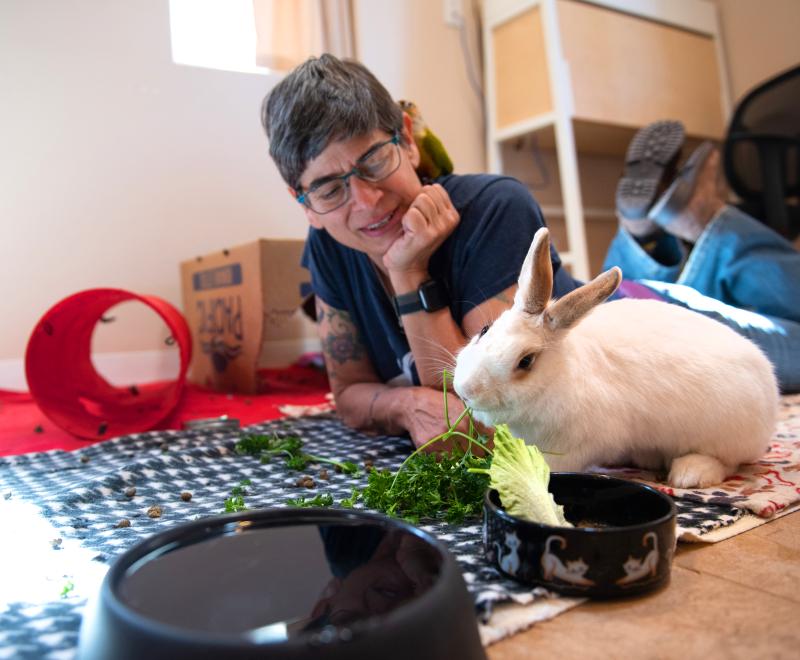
(236,501)
(323,499)
(266,447)
(430,486)
(436,485)
(350,502)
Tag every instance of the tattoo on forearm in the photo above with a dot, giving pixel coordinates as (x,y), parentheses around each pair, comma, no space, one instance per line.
(340,341)
(342,347)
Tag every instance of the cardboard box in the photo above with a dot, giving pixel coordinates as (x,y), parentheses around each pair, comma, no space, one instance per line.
(243,306)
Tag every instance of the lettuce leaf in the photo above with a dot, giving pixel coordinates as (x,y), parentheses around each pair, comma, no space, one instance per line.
(520,475)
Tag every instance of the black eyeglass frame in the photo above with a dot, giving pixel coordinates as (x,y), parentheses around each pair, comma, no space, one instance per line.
(355,172)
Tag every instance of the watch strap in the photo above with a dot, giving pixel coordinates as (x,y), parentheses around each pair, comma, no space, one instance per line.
(407,303)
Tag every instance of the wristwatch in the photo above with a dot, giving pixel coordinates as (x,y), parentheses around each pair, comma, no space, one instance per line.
(431,296)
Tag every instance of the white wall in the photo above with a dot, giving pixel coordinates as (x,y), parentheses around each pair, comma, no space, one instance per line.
(418,57)
(116,164)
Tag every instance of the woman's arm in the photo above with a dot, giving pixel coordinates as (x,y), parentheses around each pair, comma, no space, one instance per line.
(434,337)
(363,402)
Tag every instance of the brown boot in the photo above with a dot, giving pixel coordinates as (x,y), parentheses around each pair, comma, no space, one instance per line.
(694,198)
(650,165)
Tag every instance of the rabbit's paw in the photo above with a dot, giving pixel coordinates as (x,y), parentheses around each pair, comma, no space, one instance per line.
(696,471)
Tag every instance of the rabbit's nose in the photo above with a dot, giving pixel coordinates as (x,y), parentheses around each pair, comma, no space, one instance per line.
(462,389)
(458,388)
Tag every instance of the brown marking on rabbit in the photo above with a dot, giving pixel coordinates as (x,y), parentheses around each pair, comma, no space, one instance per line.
(639,382)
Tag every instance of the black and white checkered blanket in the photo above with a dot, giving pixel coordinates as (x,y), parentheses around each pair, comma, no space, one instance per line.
(61,510)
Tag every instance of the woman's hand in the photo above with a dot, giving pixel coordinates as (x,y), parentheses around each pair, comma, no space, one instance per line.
(430,219)
(424,419)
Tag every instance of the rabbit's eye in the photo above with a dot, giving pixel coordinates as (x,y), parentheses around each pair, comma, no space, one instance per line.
(526,362)
(483,331)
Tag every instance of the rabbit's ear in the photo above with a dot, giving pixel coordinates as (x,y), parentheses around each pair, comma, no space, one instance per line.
(536,277)
(566,311)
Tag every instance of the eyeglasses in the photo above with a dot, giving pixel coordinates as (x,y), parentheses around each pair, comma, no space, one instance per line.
(332,192)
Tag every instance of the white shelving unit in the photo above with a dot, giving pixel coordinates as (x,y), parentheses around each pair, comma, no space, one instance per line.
(585,75)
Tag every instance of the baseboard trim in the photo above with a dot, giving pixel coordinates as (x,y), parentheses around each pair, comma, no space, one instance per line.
(132,367)
(117,368)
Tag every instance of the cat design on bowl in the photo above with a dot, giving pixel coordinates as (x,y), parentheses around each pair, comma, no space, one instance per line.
(635,568)
(509,561)
(573,571)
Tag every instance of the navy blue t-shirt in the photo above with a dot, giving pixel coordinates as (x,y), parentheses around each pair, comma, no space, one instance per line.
(479,260)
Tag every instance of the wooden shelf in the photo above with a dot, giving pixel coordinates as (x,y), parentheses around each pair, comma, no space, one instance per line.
(591,138)
(585,75)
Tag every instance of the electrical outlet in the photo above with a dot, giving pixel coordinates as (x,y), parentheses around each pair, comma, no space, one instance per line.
(453,12)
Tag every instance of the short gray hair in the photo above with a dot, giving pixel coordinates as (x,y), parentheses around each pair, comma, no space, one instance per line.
(323,100)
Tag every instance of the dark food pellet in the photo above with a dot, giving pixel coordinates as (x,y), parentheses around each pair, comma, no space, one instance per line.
(165,447)
(305,482)
(38,429)
(130,491)
(186,496)
(123,523)
(154,511)
(102,428)
(84,459)
(324,474)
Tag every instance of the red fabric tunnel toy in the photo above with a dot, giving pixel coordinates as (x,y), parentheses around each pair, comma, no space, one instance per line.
(68,389)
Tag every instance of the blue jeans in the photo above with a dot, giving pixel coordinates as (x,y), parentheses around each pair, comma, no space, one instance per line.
(739,272)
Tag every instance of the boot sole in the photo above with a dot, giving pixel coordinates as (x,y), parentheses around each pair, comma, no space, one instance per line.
(651,151)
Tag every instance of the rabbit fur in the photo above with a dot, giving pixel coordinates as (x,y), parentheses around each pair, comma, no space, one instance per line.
(639,382)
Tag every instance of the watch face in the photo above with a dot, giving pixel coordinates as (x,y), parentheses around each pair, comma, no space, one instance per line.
(432,296)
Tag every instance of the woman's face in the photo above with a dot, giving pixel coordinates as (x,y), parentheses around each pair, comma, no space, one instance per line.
(371,220)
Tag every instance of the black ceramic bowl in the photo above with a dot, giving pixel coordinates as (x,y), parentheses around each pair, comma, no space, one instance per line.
(622,543)
(284,583)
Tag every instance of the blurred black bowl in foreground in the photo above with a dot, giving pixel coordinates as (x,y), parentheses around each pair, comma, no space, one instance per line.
(622,543)
(284,583)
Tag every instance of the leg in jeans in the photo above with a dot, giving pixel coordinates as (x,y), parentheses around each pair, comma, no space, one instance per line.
(743,263)
(740,273)
(736,260)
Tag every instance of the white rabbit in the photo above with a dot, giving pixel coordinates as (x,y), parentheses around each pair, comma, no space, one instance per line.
(639,382)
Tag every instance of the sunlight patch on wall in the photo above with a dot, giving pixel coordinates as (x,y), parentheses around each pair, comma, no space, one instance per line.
(215,34)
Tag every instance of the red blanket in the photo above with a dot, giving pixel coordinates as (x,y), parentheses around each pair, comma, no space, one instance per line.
(24,428)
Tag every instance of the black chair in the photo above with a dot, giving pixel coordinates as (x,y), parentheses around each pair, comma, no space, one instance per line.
(761,153)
